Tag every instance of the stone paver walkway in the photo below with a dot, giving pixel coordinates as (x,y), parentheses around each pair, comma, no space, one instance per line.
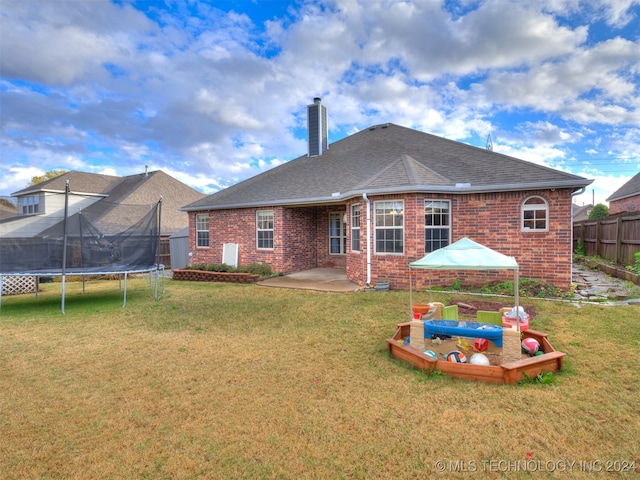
(594,285)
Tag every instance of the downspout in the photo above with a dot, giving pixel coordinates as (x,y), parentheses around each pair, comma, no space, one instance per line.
(368,202)
(578,192)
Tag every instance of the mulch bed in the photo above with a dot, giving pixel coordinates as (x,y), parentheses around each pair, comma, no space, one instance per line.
(468,308)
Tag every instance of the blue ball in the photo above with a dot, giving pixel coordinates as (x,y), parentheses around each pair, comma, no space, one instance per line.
(431,354)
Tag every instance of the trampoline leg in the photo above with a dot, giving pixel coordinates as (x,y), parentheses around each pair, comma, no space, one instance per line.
(125,291)
(63,281)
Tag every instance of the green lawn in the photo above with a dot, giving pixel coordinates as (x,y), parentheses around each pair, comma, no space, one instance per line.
(227,381)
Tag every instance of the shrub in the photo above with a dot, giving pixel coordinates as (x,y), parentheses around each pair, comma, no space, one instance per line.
(599,211)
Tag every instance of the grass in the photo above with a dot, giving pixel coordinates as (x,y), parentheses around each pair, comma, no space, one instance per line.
(238,381)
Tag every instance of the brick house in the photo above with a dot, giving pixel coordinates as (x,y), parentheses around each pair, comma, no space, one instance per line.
(626,198)
(383,197)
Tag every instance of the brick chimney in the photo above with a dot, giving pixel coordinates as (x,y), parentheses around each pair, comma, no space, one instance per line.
(317,128)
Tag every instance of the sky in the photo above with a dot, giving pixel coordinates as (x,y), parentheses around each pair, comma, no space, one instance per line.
(216,92)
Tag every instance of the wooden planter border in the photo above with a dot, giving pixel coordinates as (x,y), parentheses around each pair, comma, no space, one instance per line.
(205,276)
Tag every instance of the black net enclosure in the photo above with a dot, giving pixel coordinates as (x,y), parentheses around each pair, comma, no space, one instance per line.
(100,239)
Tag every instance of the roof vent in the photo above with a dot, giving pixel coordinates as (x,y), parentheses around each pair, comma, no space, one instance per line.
(317,128)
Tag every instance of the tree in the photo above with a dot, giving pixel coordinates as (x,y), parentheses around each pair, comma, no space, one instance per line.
(50,174)
(598,211)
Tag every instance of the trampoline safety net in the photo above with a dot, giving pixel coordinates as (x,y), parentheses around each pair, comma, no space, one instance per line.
(108,239)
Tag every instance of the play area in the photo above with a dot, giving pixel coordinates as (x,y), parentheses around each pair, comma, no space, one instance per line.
(474,350)
(493,346)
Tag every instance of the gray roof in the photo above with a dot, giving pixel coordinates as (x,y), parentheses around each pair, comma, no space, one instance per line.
(122,193)
(84,182)
(383,159)
(629,189)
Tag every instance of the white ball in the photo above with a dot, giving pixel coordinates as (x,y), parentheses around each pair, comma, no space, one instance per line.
(479,359)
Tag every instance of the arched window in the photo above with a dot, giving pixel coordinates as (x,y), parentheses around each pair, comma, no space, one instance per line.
(535,214)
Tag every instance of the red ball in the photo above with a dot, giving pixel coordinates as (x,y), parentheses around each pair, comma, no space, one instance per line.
(480,344)
(530,345)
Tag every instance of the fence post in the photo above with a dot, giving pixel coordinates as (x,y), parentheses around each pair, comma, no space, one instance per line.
(619,259)
(598,237)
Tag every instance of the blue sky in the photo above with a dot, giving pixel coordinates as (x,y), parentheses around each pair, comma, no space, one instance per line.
(216,92)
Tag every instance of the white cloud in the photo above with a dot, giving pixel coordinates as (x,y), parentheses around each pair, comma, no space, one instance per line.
(212,97)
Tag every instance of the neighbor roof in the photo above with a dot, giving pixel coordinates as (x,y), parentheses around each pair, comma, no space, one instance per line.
(629,189)
(142,190)
(387,158)
(81,182)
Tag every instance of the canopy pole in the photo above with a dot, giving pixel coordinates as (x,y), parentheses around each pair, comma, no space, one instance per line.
(410,294)
(516,286)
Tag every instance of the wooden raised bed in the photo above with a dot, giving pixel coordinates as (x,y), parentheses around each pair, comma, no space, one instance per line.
(509,373)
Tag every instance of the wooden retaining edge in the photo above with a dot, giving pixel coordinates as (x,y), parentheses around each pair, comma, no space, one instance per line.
(205,276)
(510,373)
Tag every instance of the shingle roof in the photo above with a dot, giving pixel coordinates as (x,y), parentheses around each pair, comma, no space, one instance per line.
(82,182)
(122,193)
(629,189)
(387,159)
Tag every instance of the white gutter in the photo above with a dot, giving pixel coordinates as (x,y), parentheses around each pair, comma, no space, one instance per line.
(368,202)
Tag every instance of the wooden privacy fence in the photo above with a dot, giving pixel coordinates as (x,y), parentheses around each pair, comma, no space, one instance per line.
(615,238)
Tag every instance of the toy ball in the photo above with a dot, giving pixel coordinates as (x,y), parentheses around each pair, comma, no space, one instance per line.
(530,345)
(480,344)
(431,354)
(479,359)
(456,356)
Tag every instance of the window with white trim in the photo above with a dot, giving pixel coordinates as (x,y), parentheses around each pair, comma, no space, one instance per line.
(355,228)
(437,224)
(264,229)
(389,222)
(535,214)
(30,204)
(202,230)
(337,233)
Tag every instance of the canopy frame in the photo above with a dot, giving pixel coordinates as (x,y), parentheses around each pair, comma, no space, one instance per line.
(465,254)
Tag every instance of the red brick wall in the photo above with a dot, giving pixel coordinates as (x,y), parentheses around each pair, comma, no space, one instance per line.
(490,219)
(301,239)
(631,204)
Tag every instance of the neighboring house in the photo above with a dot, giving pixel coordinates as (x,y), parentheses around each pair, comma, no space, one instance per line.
(8,209)
(381,198)
(41,206)
(581,212)
(626,198)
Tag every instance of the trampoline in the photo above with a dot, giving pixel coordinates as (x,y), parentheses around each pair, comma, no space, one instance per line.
(98,240)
